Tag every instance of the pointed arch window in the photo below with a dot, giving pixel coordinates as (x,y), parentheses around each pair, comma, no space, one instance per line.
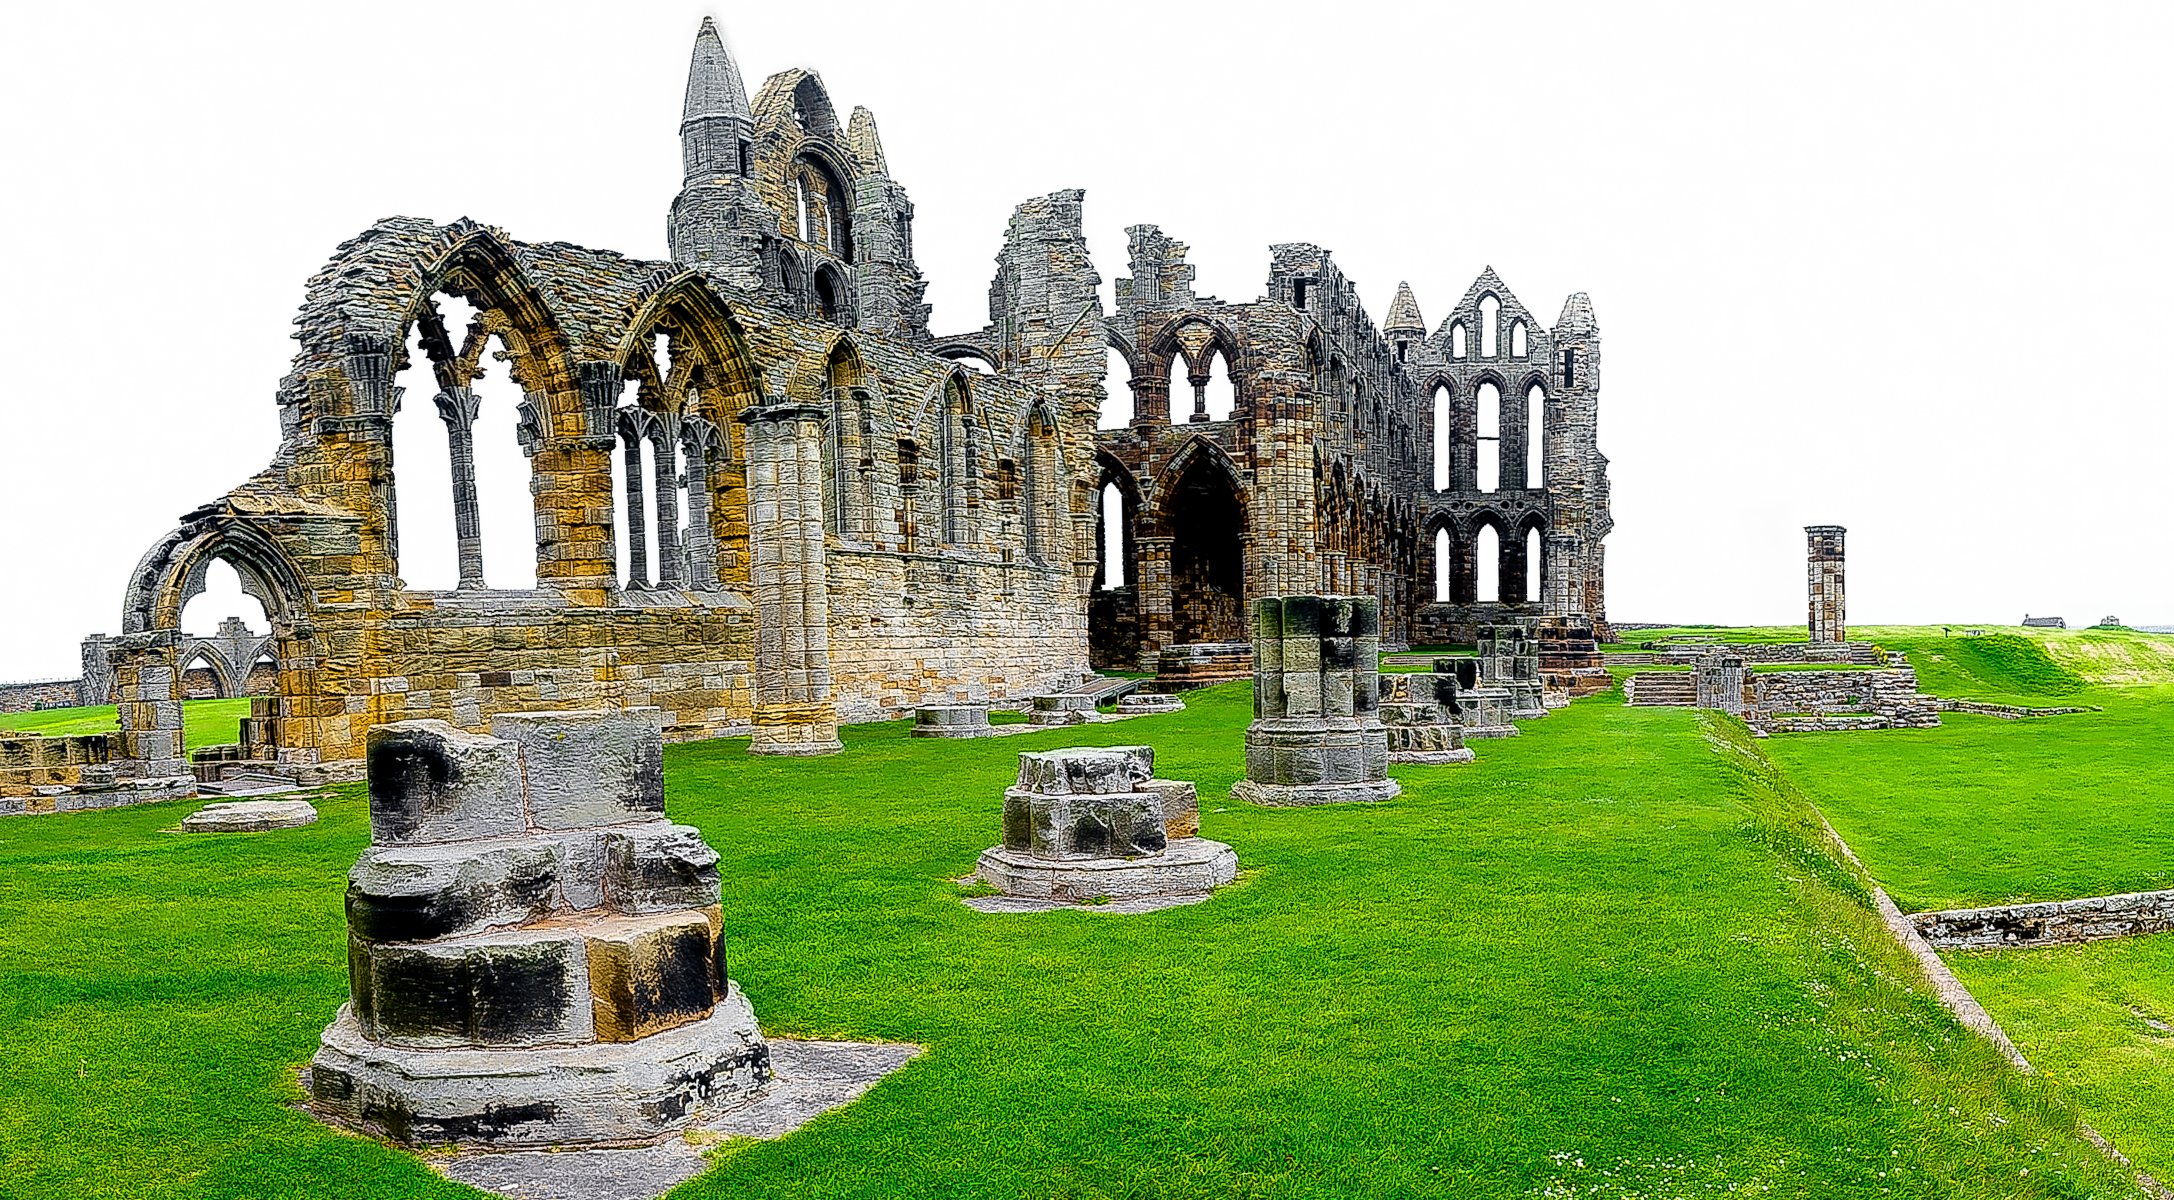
(1490,326)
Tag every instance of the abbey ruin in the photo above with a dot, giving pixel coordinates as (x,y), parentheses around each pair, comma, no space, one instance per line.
(769,499)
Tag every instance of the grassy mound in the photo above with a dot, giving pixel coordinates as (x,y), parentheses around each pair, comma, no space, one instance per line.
(1997,664)
(1608,960)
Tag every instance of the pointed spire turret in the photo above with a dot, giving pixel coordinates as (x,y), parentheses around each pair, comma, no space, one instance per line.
(1577,315)
(1404,314)
(862,142)
(716,218)
(714,88)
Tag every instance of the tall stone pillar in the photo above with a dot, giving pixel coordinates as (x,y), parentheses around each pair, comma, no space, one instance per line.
(1560,592)
(637,520)
(458,408)
(147,693)
(794,712)
(1823,571)
(1316,736)
(1152,585)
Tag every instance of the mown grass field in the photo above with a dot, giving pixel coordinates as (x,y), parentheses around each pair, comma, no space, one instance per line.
(1985,811)
(1611,959)
(203,722)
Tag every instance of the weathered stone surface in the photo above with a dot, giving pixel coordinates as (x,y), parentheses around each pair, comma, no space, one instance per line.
(1180,807)
(488,976)
(250,816)
(433,782)
(1086,770)
(1061,708)
(2048,923)
(649,974)
(513,987)
(404,893)
(1149,703)
(1120,825)
(598,767)
(1316,736)
(540,1096)
(658,868)
(1185,867)
(950,721)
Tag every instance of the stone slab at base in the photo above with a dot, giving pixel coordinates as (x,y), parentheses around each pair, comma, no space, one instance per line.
(250,816)
(605,1092)
(1431,758)
(811,1079)
(1150,702)
(951,721)
(1187,866)
(1287,795)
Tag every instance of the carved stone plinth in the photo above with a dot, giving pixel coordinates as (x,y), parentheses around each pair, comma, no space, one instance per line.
(535,954)
(1090,825)
(1316,736)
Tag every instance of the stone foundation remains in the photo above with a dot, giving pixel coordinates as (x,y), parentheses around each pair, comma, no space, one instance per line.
(951,721)
(2048,923)
(1509,658)
(1793,701)
(1093,825)
(1316,736)
(1485,709)
(535,953)
(1202,664)
(1419,713)
(1149,703)
(40,774)
(250,816)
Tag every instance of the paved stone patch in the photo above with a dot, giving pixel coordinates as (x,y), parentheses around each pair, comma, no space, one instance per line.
(810,1078)
(250,816)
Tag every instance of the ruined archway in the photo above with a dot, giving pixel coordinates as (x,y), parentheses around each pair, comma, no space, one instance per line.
(1204,510)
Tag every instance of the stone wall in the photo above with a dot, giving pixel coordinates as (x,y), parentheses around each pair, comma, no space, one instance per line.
(1800,701)
(1852,653)
(2049,923)
(37,694)
(847,523)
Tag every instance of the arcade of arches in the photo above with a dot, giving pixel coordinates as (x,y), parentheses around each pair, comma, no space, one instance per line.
(762,495)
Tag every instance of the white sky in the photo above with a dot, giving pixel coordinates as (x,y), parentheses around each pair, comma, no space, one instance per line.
(1895,267)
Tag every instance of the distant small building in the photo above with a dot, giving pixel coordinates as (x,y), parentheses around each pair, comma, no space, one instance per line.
(2030,622)
(2109,623)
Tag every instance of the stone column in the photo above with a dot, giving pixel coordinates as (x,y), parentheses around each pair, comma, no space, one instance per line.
(794,713)
(1200,398)
(1151,583)
(458,408)
(1316,736)
(1823,569)
(637,521)
(146,691)
(701,539)
(667,485)
(1560,594)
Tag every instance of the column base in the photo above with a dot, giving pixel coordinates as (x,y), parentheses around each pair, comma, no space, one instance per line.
(1289,795)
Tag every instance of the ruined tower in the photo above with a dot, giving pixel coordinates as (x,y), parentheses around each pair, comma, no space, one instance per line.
(1823,571)
(717,220)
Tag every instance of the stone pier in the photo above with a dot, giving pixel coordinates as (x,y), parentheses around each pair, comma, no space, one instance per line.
(1419,713)
(1316,736)
(1093,825)
(535,954)
(1828,620)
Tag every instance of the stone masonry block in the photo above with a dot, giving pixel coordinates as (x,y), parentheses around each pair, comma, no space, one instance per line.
(658,868)
(433,782)
(414,893)
(650,973)
(1180,807)
(522,987)
(1085,770)
(592,767)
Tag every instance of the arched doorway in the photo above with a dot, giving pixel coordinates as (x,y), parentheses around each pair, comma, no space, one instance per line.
(1207,523)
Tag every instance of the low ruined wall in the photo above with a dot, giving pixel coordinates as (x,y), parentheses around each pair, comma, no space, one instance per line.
(37,694)
(32,761)
(2011,712)
(1797,701)
(1863,654)
(2050,923)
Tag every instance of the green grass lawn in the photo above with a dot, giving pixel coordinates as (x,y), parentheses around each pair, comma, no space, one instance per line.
(1608,960)
(203,722)
(2099,1018)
